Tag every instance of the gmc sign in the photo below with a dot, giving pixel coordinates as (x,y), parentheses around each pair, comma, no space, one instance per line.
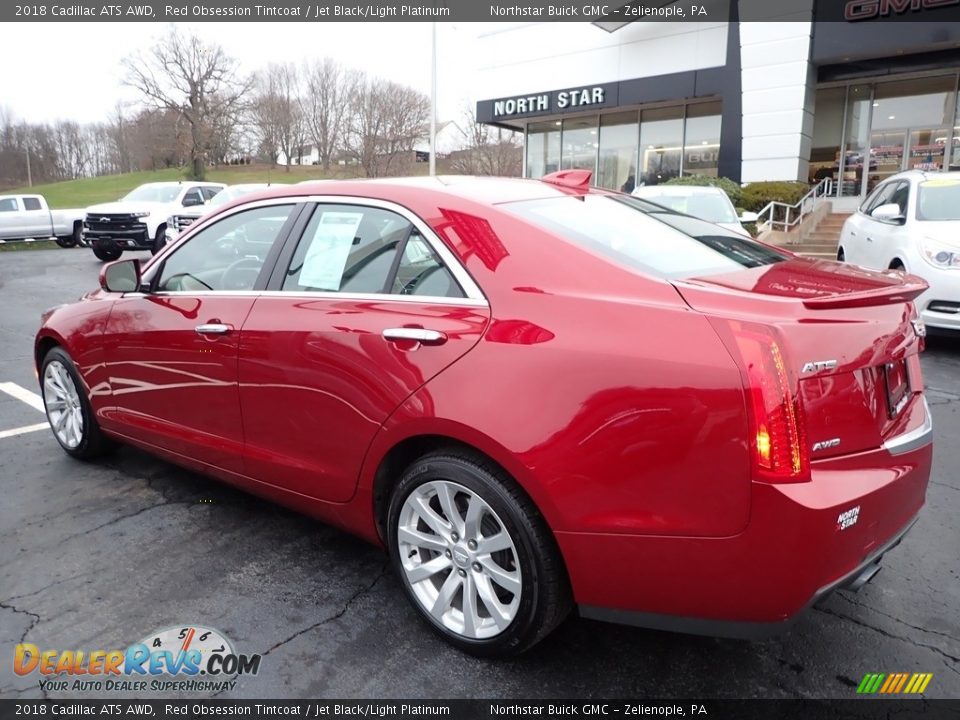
(871,9)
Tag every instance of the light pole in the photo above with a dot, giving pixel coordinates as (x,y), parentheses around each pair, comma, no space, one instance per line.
(433,99)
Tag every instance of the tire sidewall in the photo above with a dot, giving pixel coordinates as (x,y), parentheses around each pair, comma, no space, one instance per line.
(83,448)
(106,255)
(478,481)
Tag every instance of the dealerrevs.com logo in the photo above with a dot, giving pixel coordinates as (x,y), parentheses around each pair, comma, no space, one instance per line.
(187,658)
(870,9)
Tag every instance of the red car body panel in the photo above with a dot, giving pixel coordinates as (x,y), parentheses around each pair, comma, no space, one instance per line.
(616,400)
(326,364)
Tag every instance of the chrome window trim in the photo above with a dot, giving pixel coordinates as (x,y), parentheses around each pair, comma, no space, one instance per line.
(301,295)
(914,439)
(460,274)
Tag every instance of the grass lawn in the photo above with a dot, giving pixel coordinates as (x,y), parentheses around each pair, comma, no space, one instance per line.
(90,191)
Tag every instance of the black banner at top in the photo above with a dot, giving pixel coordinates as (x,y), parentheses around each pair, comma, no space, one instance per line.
(610,15)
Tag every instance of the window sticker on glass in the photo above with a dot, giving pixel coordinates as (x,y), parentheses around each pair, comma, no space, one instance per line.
(329,250)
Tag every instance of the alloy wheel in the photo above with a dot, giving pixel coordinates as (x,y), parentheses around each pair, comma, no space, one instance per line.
(459,559)
(63,405)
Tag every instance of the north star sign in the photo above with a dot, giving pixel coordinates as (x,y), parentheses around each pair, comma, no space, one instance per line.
(545,103)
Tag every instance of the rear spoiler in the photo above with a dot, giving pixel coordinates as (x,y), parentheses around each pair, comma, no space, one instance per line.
(911,287)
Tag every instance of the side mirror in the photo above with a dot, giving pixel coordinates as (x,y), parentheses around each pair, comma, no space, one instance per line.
(192,201)
(888,213)
(749,217)
(121,276)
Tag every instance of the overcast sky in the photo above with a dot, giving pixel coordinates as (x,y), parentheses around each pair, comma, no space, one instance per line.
(72,70)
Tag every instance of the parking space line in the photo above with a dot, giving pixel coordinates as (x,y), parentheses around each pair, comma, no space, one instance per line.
(23,430)
(20,393)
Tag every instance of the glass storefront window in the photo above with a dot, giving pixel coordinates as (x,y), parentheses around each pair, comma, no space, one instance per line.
(579,142)
(661,143)
(701,148)
(858,140)
(827,134)
(618,151)
(543,148)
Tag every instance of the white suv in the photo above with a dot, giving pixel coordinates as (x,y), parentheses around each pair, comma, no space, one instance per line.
(911,222)
(138,220)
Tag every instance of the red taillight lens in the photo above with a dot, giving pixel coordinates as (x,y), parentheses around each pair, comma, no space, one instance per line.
(778,433)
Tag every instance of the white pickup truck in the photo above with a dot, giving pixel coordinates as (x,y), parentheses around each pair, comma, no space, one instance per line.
(138,221)
(27,217)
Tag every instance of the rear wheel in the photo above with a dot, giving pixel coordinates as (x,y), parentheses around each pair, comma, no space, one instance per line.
(840,255)
(474,555)
(68,409)
(897,265)
(107,254)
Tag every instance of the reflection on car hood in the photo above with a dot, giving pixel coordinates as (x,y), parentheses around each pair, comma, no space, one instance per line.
(943,231)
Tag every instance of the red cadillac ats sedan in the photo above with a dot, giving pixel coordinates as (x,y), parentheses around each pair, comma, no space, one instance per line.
(537,395)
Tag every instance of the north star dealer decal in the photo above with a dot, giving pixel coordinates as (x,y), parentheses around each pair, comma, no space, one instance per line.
(870,9)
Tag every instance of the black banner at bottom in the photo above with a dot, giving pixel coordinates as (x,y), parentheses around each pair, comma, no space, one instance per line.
(488,709)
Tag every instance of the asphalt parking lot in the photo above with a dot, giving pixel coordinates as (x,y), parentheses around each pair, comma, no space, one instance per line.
(96,556)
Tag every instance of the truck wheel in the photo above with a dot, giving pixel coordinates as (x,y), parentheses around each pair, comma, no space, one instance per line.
(65,241)
(106,255)
(69,241)
(160,240)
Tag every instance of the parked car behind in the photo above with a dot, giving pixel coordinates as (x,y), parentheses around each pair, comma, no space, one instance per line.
(181,220)
(911,222)
(25,217)
(138,220)
(535,394)
(707,203)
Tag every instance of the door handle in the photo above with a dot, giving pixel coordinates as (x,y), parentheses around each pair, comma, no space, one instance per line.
(420,335)
(212,329)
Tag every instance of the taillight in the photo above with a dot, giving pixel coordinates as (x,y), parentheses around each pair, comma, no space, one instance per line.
(778,433)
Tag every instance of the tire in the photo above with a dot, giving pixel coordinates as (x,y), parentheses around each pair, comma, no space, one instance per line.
(897,265)
(159,240)
(66,241)
(522,576)
(107,255)
(841,257)
(68,409)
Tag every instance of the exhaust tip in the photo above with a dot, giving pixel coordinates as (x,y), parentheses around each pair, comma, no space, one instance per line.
(863,578)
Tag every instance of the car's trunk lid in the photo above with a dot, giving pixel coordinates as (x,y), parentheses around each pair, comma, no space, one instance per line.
(850,337)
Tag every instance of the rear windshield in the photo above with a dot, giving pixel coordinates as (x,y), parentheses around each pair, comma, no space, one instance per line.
(938,199)
(645,236)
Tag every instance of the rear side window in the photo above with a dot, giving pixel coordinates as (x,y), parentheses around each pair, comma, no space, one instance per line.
(346,248)
(355,249)
(645,237)
(31,204)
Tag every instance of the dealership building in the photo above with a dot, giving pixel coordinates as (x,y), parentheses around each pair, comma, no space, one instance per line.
(851,90)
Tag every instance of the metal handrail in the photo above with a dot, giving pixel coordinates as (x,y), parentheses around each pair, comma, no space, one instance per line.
(793,215)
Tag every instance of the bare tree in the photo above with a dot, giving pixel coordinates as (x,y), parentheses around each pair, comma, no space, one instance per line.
(329,94)
(276,111)
(487,150)
(387,120)
(199,81)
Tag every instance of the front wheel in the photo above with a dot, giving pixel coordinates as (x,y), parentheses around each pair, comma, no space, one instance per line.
(159,240)
(474,555)
(105,254)
(68,408)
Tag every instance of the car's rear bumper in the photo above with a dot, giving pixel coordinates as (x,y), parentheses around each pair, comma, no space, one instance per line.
(792,553)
